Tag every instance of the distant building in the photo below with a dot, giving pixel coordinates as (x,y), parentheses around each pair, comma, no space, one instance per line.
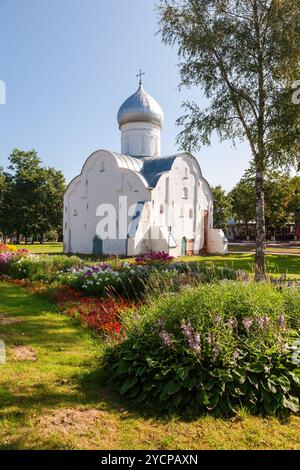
(242,232)
(139,201)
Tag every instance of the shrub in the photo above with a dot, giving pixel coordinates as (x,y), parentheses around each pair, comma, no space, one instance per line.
(211,348)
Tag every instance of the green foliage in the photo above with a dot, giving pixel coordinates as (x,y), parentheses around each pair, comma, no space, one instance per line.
(41,267)
(31,197)
(245,57)
(222,207)
(282,200)
(214,348)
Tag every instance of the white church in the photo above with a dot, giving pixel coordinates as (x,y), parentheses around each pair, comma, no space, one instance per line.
(139,201)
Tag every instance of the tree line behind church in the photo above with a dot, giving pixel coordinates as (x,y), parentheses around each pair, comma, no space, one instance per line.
(31,199)
(282,202)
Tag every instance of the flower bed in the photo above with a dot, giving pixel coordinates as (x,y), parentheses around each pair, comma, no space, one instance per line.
(136,281)
(10,254)
(4,248)
(155,259)
(102,280)
(24,265)
(102,316)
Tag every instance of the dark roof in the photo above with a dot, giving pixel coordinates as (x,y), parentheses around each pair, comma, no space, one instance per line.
(154,167)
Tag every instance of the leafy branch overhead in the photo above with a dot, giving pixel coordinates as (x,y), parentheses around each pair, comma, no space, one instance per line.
(221,55)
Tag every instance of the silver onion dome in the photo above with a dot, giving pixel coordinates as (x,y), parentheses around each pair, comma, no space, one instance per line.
(140,107)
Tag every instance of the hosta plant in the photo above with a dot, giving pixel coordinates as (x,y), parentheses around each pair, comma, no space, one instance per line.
(213,348)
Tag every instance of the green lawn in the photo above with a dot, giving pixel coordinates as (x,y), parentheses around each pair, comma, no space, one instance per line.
(277,264)
(48,248)
(57,402)
(250,248)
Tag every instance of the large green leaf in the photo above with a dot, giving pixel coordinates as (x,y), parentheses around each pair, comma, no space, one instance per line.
(128,384)
(292,403)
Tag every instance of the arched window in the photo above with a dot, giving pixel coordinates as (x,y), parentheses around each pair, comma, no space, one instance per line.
(75,213)
(185,173)
(191,213)
(185,193)
(102,168)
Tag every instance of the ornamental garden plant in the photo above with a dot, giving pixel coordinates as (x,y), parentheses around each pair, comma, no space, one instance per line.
(212,348)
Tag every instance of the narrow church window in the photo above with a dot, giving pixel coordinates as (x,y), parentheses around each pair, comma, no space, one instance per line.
(181,213)
(190,213)
(86,182)
(102,169)
(87,206)
(185,193)
(153,203)
(66,225)
(75,213)
(161,210)
(185,173)
(66,209)
(85,226)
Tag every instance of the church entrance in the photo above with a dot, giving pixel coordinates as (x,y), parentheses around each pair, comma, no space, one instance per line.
(97,246)
(183,246)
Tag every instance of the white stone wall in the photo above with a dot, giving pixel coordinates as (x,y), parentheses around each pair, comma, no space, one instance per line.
(179,201)
(140,139)
(217,242)
(102,182)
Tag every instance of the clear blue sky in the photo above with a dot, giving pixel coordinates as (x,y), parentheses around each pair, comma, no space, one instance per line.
(69,64)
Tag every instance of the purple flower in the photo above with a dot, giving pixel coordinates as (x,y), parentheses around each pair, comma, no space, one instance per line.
(209,339)
(236,355)
(161,322)
(166,338)
(192,337)
(217,351)
(263,322)
(187,330)
(231,324)
(218,319)
(194,343)
(5,257)
(281,321)
(247,323)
